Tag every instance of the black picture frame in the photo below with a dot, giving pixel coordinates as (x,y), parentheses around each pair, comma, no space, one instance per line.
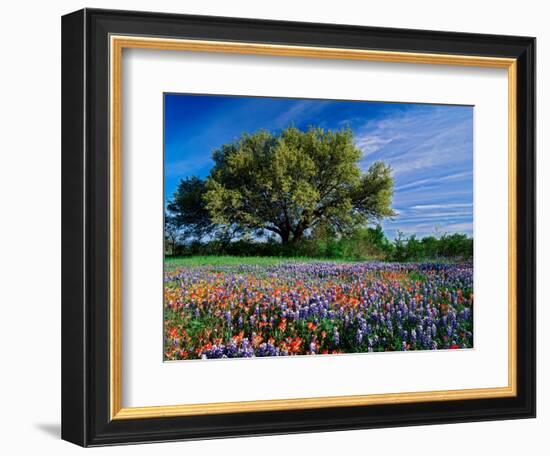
(85,228)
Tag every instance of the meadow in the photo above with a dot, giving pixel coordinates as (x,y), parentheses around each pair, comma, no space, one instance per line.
(235,307)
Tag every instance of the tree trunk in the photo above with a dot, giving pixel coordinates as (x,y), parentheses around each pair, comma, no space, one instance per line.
(298,233)
(285,237)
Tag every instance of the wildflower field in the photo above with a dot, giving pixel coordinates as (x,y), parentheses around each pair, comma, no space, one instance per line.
(246,307)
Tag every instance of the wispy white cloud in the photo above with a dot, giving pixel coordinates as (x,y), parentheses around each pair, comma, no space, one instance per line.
(436,180)
(435,195)
(419,140)
(430,150)
(441,206)
(298,111)
(408,218)
(370,144)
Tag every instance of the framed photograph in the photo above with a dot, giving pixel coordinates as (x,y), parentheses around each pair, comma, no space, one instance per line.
(278,227)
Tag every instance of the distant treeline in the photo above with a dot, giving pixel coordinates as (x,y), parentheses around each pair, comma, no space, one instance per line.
(363,244)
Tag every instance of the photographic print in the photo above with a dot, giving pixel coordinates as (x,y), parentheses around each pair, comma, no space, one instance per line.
(316,227)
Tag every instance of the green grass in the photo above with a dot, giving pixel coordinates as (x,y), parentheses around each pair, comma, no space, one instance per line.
(225,260)
(174,262)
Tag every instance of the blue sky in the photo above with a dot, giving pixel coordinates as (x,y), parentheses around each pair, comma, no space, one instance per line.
(429,147)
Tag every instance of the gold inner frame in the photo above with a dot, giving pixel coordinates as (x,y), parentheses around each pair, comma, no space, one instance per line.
(117,44)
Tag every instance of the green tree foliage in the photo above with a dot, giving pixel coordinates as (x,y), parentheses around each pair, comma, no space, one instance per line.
(361,244)
(171,235)
(454,246)
(291,183)
(365,244)
(430,246)
(187,210)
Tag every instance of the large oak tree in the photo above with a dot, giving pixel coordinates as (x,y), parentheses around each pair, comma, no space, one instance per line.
(292,182)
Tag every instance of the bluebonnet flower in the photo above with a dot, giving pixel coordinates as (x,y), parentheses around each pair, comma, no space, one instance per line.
(279,310)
